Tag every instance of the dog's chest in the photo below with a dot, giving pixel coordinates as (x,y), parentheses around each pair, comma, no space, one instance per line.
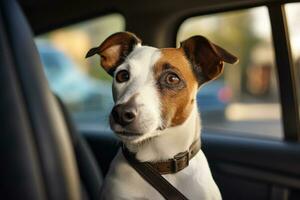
(195,181)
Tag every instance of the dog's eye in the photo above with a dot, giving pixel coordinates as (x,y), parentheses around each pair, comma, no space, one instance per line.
(172,79)
(122,76)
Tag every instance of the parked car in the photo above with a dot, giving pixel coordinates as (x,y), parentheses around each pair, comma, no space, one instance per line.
(213,99)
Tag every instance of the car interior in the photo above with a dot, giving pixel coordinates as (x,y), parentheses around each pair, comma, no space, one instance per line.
(44,154)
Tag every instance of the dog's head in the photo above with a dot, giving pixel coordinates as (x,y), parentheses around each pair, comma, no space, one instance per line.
(153,88)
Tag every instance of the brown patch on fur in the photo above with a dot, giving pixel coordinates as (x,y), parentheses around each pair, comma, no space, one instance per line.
(207,58)
(110,56)
(176,103)
(114,50)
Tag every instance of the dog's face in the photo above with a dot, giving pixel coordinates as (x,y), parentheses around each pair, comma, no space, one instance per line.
(154,89)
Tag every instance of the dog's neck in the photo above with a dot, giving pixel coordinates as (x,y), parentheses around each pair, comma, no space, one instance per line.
(170,141)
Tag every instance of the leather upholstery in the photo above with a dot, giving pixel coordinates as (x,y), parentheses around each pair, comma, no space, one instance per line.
(37,156)
(90,173)
(19,163)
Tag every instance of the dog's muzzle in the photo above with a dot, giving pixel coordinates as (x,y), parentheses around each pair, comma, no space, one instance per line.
(131,119)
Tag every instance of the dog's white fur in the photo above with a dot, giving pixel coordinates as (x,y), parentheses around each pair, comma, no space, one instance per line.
(122,181)
(142,84)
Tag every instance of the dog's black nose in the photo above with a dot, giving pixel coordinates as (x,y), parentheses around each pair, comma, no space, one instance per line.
(124,114)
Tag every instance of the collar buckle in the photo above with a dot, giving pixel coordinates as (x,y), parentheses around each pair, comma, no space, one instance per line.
(180,161)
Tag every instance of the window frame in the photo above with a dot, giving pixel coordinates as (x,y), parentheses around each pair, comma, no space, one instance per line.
(283,57)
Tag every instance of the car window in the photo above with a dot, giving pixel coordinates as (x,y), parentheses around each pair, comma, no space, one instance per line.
(81,83)
(293,20)
(244,100)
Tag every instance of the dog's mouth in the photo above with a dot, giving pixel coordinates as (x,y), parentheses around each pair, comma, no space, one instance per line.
(132,136)
(128,134)
(133,132)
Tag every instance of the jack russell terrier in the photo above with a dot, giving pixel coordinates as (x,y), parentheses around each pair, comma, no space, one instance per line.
(155,113)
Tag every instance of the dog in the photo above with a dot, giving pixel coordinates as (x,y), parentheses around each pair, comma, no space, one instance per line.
(155,113)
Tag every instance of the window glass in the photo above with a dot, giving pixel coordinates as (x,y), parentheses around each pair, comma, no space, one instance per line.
(81,83)
(244,100)
(293,20)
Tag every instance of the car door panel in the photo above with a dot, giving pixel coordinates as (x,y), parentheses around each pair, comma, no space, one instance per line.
(247,168)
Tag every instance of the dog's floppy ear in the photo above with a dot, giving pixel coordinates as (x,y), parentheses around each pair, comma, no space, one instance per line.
(206,58)
(114,50)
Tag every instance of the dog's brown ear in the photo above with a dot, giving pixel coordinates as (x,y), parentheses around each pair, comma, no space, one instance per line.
(114,50)
(206,58)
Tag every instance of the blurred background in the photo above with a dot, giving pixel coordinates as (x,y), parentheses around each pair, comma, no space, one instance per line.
(244,100)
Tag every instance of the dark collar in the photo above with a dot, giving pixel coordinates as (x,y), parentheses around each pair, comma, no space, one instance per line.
(170,166)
